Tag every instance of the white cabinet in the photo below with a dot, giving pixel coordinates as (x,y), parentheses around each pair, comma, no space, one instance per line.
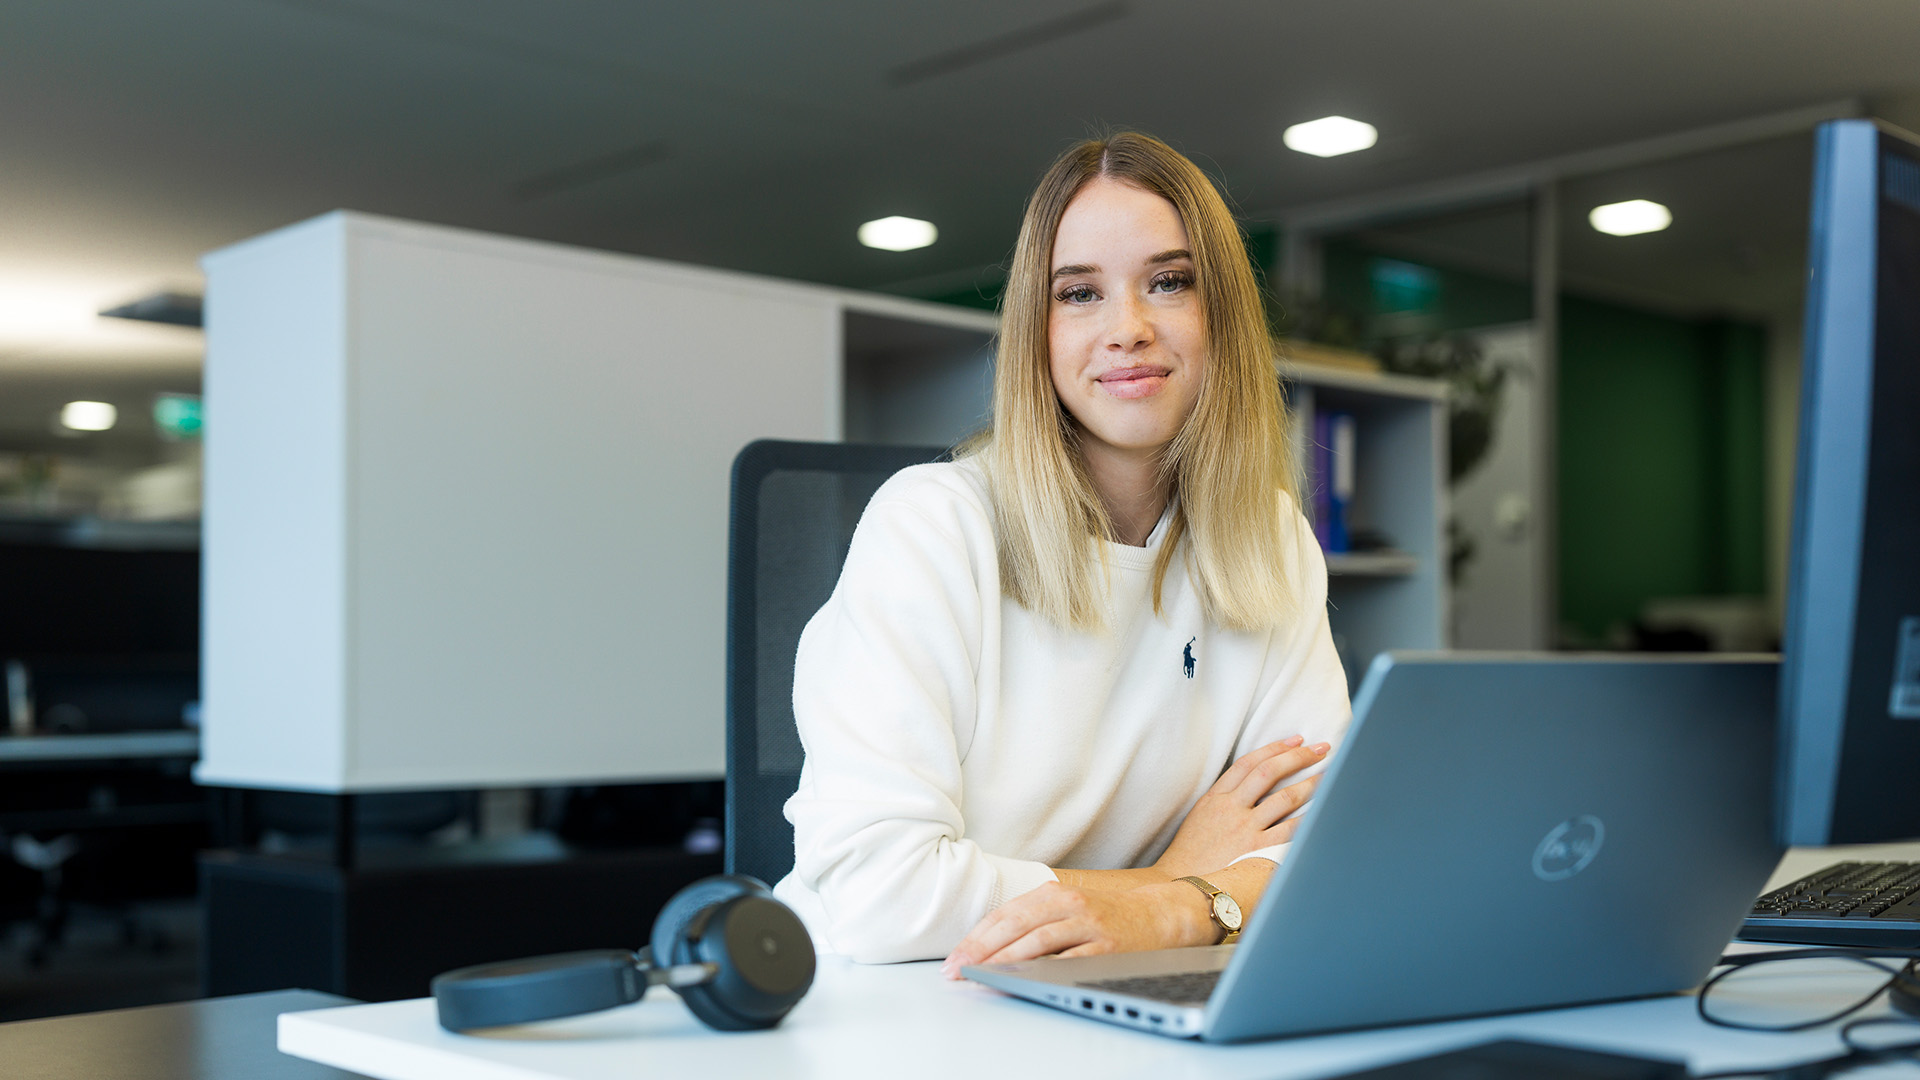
(466,514)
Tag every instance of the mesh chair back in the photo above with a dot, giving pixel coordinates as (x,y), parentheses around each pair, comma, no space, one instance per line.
(794,508)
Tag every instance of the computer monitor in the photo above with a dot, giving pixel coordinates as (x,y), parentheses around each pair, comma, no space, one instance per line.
(1850,674)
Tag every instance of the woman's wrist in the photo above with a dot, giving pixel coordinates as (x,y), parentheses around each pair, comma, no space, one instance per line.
(1112,880)
(1186,917)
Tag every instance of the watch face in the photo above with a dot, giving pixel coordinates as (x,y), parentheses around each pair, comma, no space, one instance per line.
(1227,912)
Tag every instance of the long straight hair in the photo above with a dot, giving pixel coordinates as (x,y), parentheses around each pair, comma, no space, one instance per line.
(1227,465)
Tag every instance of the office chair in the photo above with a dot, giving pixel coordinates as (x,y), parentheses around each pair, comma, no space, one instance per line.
(794,508)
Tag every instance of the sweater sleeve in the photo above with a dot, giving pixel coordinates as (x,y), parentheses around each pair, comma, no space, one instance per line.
(1304,688)
(884,695)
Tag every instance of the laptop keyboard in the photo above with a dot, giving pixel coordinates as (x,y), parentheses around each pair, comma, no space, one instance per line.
(1181,988)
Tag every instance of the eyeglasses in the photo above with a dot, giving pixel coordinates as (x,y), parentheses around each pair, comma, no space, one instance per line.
(1798,989)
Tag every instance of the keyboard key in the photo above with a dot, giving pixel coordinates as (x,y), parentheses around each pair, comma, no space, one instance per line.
(1184,988)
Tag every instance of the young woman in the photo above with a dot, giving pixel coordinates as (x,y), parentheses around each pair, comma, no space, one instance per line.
(1049,705)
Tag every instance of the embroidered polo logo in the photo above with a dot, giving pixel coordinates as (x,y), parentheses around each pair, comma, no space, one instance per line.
(1186,663)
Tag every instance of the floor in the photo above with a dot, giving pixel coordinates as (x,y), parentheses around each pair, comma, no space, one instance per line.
(107,961)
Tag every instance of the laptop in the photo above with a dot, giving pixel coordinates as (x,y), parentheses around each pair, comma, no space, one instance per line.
(1499,832)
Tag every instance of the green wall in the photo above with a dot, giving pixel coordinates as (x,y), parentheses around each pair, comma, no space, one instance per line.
(1661,486)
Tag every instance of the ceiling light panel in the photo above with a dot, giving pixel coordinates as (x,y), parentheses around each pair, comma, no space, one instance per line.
(88,416)
(898,233)
(1330,136)
(1630,218)
(30,312)
(52,316)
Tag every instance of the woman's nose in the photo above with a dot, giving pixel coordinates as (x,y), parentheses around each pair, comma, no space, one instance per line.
(1130,329)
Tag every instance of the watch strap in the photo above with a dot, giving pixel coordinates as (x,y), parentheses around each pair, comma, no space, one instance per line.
(1209,890)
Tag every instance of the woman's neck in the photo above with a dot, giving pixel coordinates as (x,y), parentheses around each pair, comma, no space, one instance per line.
(1132,490)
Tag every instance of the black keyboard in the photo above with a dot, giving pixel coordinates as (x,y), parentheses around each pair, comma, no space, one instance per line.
(1870,904)
(1181,988)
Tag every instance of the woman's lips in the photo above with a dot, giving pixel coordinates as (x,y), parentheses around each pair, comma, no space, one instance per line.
(1134,382)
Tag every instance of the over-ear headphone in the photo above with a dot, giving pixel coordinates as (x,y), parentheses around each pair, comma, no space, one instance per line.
(739,958)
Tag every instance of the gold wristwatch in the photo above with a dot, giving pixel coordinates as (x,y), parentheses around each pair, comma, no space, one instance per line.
(1224,910)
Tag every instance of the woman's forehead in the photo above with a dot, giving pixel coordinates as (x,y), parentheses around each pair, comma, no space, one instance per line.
(1112,226)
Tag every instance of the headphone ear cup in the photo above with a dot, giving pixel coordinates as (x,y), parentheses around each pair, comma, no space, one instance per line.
(703,1002)
(671,924)
(764,960)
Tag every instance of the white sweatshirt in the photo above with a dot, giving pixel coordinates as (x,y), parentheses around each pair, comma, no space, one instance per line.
(959,746)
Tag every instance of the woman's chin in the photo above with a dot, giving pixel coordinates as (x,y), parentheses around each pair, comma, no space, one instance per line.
(1119,442)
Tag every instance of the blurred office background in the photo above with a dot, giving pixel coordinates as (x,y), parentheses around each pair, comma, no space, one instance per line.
(1623,410)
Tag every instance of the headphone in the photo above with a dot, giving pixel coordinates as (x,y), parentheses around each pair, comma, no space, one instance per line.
(740,959)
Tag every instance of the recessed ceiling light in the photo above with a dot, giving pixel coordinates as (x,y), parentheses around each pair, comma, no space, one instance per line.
(30,311)
(1630,218)
(1330,136)
(87,415)
(898,233)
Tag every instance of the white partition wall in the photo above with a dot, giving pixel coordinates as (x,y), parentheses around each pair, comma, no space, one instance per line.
(466,499)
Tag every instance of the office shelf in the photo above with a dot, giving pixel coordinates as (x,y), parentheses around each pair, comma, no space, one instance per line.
(1372,564)
(1397,598)
(100,533)
(1378,384)
(103,747)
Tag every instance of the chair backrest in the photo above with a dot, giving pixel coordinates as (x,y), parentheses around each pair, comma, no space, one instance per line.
(794,508)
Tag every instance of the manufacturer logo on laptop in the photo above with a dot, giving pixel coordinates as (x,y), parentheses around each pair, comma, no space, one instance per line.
(1568,848)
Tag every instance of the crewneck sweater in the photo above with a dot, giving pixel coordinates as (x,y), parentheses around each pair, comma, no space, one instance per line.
(958,746)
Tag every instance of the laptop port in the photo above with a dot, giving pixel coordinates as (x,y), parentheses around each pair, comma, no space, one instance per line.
(1086,1003)
(1109,1009)
(1156,1019)
(1133,1014)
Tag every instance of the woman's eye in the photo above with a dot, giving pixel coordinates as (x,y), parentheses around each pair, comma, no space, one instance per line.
(1079,294)
(1171,282)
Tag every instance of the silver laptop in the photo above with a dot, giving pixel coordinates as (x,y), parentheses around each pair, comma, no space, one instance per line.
(1499,832)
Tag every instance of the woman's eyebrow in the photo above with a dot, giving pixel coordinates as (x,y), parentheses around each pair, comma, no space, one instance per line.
(1167,256)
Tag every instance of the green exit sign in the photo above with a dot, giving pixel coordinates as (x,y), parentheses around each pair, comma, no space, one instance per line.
(177,416)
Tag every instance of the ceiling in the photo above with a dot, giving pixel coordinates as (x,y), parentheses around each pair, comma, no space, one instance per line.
(757,134)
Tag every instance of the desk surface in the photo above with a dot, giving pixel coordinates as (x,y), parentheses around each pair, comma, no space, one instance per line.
(877,1020)
(880,1021)
(103,747)
(219,1039)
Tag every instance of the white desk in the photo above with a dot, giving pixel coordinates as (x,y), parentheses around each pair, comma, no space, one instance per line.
(126,745)
(882,1021)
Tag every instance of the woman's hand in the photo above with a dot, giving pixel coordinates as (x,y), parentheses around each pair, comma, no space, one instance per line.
(1242,810)
(1072,921)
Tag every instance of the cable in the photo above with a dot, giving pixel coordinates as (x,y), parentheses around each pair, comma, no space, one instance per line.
(1728,965)
(1857,1053)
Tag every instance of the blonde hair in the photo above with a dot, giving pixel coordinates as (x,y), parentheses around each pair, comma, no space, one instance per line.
(1227,465)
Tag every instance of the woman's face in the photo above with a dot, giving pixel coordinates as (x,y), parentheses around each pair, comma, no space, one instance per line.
(1125,331)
